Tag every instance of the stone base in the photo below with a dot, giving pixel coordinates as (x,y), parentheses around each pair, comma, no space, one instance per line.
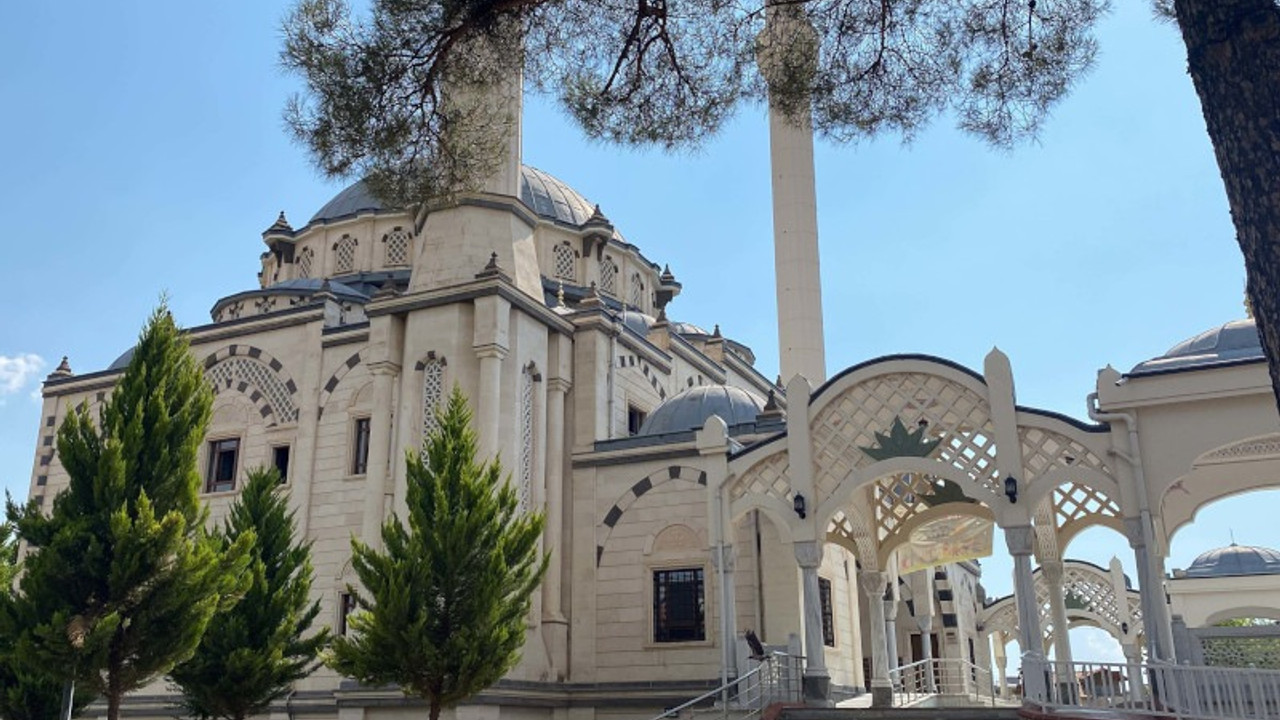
(817,690)
(881,696)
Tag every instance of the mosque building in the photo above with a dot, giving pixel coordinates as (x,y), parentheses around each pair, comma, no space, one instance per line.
(688,497)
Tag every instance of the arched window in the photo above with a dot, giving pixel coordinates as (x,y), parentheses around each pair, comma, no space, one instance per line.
(306,259)
(637,291)
(397,242)
(432,394)
(565,263)
(344,252)
(608,276)
(526,438)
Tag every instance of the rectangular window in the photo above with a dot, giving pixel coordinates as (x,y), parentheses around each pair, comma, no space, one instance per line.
(346,605)
(222,465)
(280,459)
(635,418)
(360,447)
(679,606)
(828,617)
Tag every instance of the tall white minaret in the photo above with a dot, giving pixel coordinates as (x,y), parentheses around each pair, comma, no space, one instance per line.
(795,218)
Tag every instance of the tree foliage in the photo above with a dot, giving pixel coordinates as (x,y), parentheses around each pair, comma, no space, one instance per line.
(391,96)
(443,609)
(251,654)
(121,578)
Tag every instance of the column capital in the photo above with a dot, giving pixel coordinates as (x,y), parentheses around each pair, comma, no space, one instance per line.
(1020,539)
(808,553)
(491,350)
(1052,570)
(560,385)
(1133,531)
(725,552)
(925,623)
(383,367)
(872,583)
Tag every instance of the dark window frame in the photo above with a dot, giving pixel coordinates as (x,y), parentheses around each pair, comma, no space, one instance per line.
(346,604)
(361,429)
(283,467)
(635,418)
(679,605)
(220,474)
(828,612)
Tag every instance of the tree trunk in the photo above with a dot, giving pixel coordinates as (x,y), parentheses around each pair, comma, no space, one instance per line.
(435,710)
(1233,56)
(113,705)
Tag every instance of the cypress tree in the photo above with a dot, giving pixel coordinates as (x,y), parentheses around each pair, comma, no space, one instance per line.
(250,655)
(121,577)
(444,604)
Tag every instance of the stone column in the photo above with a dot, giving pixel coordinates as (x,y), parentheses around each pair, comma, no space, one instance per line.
(1002,662)
(1151,591)
(873,584)
(488,404)
(1133,663)
(924,621)
(555,625)
(378,459)
(723,562)
(817,682)
(891,628)
(1053,574)
(1020,540)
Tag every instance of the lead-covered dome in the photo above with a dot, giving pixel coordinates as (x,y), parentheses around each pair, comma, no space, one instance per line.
(1236,560)
(1233,342)
(691,408)
(545,194)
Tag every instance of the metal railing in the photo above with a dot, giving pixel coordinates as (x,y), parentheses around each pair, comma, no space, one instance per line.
(775,678)
(1160,689)
(942,682)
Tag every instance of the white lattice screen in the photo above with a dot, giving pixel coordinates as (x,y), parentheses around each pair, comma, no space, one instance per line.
(234,370)
(397,247)
(637,291)
(526,440)
(565,263)
(608,277)
(432,392)
(305,259)
(344,254)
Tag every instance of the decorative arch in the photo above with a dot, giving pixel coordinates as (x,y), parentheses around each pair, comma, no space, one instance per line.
(332,383)
(1242,466)
(396,247)
(608,276)
(1091,587)
(344,254)
(565,262)
(254,372)
(1244,611)
(902,533)
(305,262)
(683,473)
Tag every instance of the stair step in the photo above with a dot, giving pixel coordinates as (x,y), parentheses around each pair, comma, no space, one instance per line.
(922,713)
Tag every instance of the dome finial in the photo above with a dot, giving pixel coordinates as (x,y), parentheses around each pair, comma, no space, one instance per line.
(281,225)
(63,369)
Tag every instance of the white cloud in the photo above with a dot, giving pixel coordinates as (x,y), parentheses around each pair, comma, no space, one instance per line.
(17,371)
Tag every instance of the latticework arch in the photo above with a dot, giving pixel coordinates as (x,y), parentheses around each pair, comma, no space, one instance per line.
(1090,595)
(261,377)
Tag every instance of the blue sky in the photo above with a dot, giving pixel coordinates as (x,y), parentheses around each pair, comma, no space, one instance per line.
(143,152)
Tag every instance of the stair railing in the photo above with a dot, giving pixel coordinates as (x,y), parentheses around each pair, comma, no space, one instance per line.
(776,678)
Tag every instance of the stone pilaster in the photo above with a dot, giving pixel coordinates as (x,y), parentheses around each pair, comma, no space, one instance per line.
(817,682)
(873,585)
(1021,540)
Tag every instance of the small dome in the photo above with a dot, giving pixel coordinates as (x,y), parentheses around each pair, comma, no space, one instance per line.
(684,328)
(545,194)
(691,408)
(1235,341)
(1235,560)
(637,321)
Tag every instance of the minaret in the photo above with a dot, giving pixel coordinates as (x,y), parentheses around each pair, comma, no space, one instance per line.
(795,216)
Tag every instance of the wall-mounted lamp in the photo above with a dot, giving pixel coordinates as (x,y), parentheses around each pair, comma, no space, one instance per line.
(1124,628)
(798,505)
(1011,488)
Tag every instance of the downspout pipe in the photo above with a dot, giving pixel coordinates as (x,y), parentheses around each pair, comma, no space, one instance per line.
(1146,528)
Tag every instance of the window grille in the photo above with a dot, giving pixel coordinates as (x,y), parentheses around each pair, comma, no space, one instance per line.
(608,277)
(305,260)
(679,606)
(526,439)
(828,615)
(565,263)
(235,370)
(432,390)
(360,447)
(637,291)
(397,249)
(344,255)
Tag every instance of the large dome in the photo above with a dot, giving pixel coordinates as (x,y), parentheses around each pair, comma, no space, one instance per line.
(1236,560)
(1234,342)
(691,408)
(543,193)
